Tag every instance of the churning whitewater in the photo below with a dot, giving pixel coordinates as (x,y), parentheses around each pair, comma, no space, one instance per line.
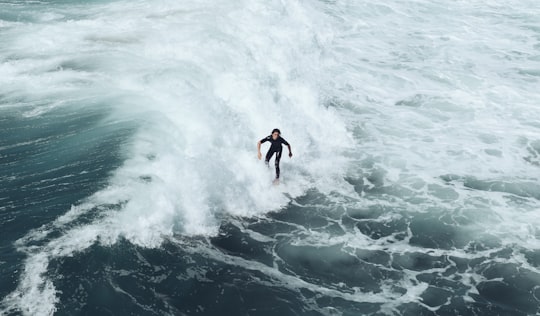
(130,183)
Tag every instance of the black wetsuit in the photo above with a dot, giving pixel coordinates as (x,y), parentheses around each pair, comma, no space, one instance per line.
(275,147)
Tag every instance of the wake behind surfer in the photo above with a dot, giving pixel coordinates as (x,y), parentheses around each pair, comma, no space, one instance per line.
(276,142)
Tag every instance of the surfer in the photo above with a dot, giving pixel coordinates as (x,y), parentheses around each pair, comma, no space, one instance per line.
(276,142)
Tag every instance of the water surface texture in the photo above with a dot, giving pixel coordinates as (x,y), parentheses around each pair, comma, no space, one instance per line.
(129,183)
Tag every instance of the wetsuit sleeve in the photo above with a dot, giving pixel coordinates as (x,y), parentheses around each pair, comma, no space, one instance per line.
(284,142)
(267,138)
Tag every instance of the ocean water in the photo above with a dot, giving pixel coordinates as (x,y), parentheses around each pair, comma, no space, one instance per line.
(129,183)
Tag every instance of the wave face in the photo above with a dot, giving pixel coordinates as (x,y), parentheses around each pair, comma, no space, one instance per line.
(130,183)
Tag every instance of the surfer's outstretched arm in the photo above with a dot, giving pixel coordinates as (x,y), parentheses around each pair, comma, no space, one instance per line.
(259,150)
(290,152)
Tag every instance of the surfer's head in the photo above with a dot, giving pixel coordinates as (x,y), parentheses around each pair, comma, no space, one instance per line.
(275,133)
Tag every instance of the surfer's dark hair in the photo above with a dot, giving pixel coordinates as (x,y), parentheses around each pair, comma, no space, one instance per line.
(276,130)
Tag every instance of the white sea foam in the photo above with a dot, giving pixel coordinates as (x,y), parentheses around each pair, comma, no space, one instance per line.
(427,90)
(206,81)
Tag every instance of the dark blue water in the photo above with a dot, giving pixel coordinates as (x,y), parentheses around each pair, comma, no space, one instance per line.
(50,163)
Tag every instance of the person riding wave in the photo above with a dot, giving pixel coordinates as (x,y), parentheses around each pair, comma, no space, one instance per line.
(276,142)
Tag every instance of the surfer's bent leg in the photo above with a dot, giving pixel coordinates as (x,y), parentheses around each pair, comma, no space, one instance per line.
(268,156)
(278,156)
